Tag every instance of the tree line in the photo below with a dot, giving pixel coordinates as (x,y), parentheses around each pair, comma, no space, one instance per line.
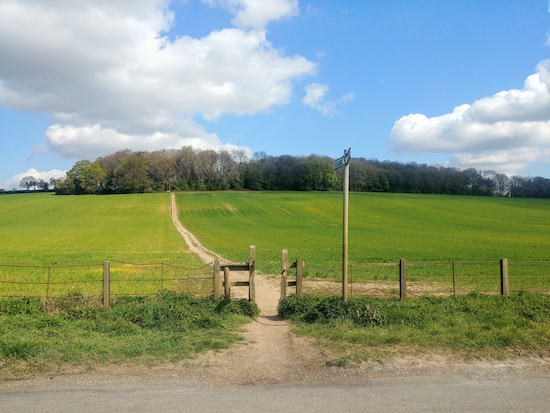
(189,169)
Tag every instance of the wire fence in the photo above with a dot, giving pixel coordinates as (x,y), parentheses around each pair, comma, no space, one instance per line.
(321,286)
(91,280)
(417,278)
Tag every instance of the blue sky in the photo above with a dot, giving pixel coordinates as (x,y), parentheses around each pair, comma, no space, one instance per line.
(456,83)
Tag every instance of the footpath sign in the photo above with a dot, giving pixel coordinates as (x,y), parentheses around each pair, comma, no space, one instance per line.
(343,161)
(338,163)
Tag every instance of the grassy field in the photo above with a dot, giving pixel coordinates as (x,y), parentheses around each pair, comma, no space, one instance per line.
(382,228)
(44,229)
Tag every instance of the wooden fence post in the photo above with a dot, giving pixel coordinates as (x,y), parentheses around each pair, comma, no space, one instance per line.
(403,279)
(216,278)
(252,275)
(226,282)
(299,275)
(284,270)
(454,282)
(504,289)
(48,286)
(106,284)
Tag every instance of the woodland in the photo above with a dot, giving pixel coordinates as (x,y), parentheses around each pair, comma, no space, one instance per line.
(189,169)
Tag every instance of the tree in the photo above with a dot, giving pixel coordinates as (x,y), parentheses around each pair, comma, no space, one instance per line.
(65,186)
(53,182)
(254,176)
(43,185)
(163,169)
(78,175)
(93,179)
(28,181)
(132,175)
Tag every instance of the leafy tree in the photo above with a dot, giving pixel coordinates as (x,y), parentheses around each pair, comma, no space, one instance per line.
(65,186)
(93,179)
(132,174)
(254,176)
(78,175)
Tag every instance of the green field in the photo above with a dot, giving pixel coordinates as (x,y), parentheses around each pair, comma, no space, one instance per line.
(43,229)
(47,230)
(382,228)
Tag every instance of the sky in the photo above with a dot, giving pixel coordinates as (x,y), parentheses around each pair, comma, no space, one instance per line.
(463,83)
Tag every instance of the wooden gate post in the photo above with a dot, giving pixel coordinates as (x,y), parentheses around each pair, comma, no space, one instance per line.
(504,288)
(106,284)
(299,275)
(403,279)
(216,278)
(252,275)
(226,283)
(284,270)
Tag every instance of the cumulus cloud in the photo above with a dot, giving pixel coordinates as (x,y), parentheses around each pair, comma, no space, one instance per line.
(70,141)
(506,132)
(257,14)
(111,78)
(45,176)
(315,98)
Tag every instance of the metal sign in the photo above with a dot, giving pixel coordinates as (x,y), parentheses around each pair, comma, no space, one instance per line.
(343,161)
(338,163)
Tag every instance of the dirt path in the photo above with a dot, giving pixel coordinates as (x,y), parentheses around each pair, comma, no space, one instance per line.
(272,353)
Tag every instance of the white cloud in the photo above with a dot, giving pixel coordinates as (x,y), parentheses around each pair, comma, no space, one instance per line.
(505,132)
(315,98)
(109,76)
(257,14)
(46,175)
(70,141)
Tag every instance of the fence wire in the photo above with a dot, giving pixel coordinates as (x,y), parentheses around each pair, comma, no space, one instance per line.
(46,285)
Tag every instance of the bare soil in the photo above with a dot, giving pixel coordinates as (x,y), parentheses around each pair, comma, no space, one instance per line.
(271,353)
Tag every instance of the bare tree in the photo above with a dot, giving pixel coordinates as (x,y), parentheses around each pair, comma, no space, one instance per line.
(28,181)
(42,185)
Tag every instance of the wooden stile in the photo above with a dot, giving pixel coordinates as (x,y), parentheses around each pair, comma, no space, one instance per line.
(216,278)
(284,271)
(252,274)
(226,282)
(299,275)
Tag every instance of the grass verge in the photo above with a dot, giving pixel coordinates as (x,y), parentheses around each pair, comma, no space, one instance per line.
(470,326)
(140,330)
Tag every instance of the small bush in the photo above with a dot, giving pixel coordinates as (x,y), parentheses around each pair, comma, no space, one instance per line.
(312,309)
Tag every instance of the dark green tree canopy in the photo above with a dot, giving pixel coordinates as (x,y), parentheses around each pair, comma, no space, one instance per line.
(190,169)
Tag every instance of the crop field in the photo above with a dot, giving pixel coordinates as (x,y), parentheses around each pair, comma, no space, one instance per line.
(382,229)
(47,230)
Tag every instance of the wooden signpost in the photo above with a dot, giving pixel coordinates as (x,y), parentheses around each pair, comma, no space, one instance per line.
(338,163)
